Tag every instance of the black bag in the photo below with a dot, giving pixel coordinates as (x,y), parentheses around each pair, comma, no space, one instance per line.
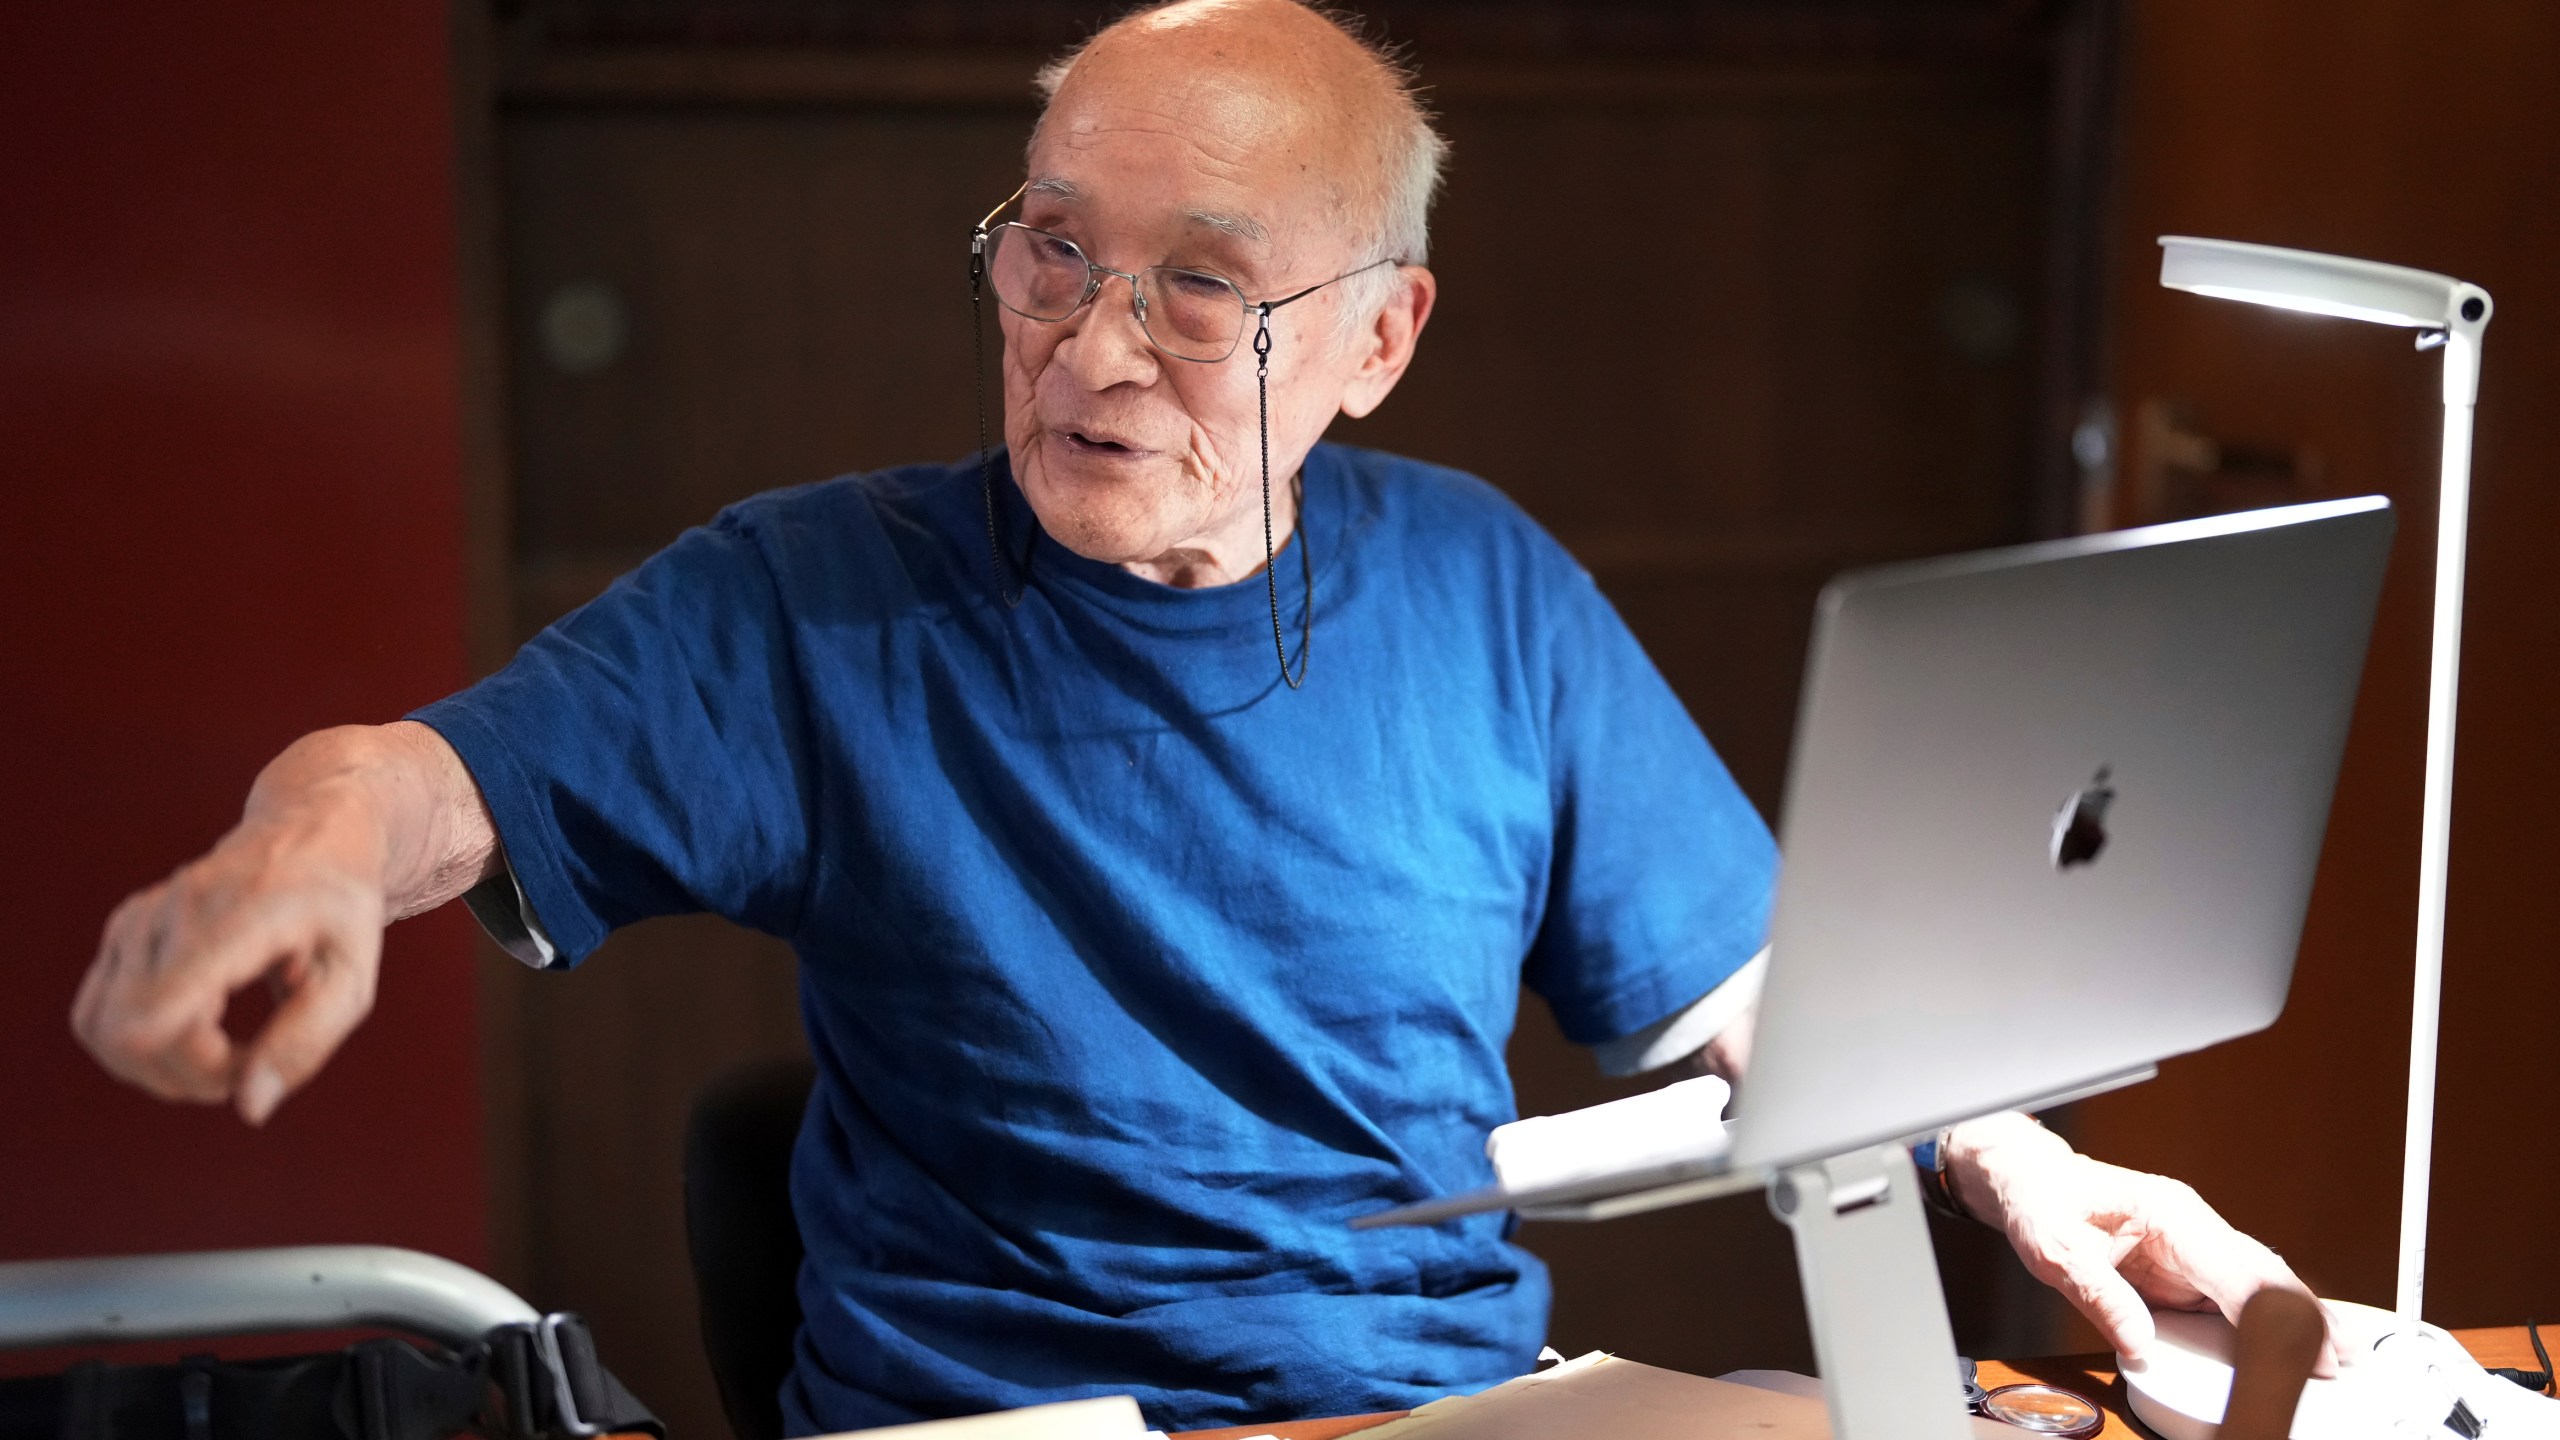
(537,1381)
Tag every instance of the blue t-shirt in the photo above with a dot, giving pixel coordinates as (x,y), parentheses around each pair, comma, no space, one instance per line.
(1132,976)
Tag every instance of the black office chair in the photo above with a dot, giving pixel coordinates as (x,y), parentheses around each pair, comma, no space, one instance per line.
(744,1242)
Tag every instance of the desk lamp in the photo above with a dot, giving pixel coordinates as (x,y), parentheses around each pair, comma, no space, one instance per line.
(2452,314)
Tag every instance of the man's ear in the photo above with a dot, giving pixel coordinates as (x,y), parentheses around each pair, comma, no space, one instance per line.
(1389,341)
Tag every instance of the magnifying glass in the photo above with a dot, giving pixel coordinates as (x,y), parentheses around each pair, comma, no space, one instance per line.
(2044,1409)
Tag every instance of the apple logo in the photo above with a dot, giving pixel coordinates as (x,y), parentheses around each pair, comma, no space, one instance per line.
(2080,826)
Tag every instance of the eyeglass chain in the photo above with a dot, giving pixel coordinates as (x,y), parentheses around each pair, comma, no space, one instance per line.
(986,467)
(1005,568)
(1270,567)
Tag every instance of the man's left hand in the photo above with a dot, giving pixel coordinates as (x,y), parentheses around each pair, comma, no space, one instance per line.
(2115,1242)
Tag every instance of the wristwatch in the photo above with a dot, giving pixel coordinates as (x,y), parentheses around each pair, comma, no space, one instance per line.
(1936,1190)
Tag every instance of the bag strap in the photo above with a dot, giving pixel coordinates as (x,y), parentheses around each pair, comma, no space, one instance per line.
(392,1391)
(374,1390)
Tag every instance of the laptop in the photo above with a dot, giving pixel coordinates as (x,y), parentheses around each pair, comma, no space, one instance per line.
(2052,816)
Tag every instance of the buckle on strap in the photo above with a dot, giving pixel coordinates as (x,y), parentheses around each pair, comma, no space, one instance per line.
(546,1344)
(556,1369)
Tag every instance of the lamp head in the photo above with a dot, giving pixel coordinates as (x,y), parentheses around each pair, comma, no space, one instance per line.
(2319,284)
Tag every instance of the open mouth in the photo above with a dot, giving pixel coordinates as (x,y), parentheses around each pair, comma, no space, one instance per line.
(1085,443)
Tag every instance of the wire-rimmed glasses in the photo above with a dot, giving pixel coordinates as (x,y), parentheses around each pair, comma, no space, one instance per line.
(1195,315)
(1188,314)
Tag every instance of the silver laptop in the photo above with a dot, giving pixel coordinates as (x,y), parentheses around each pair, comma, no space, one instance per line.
(2052,816)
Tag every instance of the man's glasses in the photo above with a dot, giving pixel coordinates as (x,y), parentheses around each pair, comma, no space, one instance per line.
(1193,315)
(1188,314)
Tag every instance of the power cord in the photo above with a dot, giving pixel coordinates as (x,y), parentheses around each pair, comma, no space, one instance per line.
(2540,1382)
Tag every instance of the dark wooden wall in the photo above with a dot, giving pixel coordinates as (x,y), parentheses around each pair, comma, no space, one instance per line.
(1733,297)
(2428,135)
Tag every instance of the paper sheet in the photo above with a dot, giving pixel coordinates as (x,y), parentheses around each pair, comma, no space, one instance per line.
(1602,1397)
(1112,1417)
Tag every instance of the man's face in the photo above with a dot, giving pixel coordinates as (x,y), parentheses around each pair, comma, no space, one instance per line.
(1128,455)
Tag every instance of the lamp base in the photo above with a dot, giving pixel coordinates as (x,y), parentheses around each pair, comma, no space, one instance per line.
(2398,1379)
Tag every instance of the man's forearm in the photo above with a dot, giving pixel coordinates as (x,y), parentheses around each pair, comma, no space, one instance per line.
(1725,1056)
(398,792)
(345,831)
(1975,1149)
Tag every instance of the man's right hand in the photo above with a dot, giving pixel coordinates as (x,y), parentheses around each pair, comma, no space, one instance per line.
(345,832)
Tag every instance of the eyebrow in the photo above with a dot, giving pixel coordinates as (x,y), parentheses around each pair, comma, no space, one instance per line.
(1240,227)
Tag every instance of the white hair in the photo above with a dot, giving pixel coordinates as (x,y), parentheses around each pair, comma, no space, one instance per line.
(1412,151)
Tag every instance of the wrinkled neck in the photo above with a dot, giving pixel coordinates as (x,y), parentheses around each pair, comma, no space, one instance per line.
(1236,551)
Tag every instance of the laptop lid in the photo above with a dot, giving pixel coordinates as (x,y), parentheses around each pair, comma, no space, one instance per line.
(2052,814)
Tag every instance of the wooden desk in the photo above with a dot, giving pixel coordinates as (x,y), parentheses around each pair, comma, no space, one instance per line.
(2088,1375)
(1298,1429)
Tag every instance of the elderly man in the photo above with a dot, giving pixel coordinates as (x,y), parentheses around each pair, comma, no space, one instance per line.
(1133,969)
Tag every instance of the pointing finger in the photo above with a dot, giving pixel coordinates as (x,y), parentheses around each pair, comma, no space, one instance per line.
(156,1017)
(326,998)
(202,969)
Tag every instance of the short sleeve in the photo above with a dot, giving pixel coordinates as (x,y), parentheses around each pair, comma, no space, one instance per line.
(649,753)
(1662,873)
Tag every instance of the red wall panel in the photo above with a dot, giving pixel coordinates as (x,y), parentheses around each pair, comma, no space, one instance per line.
(230,512)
